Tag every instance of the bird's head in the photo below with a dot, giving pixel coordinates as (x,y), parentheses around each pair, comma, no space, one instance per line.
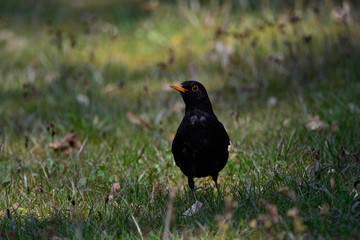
(194,95)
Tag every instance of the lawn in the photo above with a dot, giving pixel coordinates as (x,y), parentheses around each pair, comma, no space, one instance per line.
(283,77)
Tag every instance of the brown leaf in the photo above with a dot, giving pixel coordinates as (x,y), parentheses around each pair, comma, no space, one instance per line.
(253,223)
(115,187)
(67,143)
(134,119)
(314,123)
(293,212)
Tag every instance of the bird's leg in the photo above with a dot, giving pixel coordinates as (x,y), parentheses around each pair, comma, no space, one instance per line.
(215,177)
(192,186)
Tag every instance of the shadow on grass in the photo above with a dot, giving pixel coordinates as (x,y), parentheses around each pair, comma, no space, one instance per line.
(79,92)
(132,212)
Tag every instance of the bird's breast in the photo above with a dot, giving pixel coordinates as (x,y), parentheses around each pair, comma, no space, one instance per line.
(195,119)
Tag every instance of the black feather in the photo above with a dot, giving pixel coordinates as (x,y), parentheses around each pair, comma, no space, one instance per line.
(200,146)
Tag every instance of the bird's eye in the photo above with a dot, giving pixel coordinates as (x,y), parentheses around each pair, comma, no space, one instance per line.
(195,88)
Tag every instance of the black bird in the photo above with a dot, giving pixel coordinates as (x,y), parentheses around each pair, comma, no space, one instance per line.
(200,146)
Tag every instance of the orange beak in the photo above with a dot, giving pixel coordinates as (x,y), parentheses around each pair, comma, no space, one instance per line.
(178,87)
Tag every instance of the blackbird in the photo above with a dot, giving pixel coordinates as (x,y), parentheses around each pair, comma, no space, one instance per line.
(200,146)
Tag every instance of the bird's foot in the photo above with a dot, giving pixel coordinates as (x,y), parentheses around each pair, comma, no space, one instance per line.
(218,190)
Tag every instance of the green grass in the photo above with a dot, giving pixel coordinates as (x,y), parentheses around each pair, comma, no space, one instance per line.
(265,75)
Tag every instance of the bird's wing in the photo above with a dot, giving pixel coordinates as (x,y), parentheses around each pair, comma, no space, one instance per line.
(192,138)
(178,147)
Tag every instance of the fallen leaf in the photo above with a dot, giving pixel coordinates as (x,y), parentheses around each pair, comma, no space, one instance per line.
(253,223)
(314,123)
(293,212)
(66,144)
(134,119)
(115,187)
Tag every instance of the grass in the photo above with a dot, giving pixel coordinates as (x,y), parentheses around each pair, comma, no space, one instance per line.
(284,83)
